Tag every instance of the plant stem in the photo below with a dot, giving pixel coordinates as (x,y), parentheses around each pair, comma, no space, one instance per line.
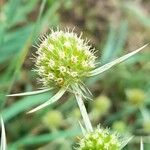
(83,111)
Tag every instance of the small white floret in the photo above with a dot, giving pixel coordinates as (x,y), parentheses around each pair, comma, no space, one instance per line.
(74,59)
(62,69)
(67,44)
(85,64)
(51,63)
(74,74)
(51,76)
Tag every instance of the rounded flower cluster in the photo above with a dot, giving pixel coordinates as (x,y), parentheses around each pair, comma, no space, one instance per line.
(63,59)
(119,126)
(53,119)
(102,104)
(136,96)
(100,139)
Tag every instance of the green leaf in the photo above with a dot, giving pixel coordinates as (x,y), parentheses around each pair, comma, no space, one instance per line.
(11,8)
(14,42)
(118,115)
(40,139)
(138,13)
(24,104)
(114,45)
(145,113)
(115,42)
(24,51)
(16,11)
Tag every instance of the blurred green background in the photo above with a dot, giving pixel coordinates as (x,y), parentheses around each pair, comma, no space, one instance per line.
(120,96)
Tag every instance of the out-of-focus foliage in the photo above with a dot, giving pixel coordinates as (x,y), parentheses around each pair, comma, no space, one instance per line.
(114,27)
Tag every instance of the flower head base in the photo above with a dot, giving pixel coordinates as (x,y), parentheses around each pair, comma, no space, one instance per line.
(100,139)
(64,59)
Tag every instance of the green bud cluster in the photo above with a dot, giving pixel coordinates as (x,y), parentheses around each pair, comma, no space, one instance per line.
(102,103)
(100,107)
(63,59)
(136,96)
(100,139)
(119,126)
(146,126)
(53,119)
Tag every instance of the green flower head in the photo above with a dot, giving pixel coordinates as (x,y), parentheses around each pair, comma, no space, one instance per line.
(64,59)
(100,139)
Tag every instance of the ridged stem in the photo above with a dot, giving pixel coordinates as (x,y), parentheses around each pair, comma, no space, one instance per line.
(84,113)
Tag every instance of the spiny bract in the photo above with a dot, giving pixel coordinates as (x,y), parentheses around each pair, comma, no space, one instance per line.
(64,59)
(100,139)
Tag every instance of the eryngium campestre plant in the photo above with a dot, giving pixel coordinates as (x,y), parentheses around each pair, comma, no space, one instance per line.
(64,60)
(100,139)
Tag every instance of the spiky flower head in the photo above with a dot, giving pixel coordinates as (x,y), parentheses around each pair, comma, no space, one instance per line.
(64,59)
(100,139)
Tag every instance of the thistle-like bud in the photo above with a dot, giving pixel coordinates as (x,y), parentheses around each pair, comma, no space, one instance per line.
(53,119)
(100,107)
(136,96)
(119,126)
(146,126)
(100,139)
(76,113)
(63,59)
(102,103)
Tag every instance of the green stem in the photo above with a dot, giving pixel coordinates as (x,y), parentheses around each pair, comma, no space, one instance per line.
(84,114)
